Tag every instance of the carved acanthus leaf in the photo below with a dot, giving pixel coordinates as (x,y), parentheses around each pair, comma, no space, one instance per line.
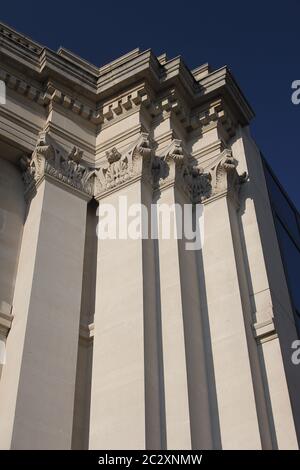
(176,168)
(224,174)
(196,183)
(171,162)
(66,168)
(119,169)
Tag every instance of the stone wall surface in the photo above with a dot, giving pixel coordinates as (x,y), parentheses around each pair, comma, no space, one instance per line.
(137,343)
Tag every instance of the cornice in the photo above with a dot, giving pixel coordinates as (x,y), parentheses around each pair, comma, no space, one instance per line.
(97,85)
(201,71)
(221,82)
(14,44)
(57,67)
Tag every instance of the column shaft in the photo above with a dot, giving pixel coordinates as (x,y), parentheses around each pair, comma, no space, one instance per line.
(125,361)
(37,396)
(235,394)
(178,430)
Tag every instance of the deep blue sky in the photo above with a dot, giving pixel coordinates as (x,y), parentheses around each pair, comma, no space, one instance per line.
(260,42)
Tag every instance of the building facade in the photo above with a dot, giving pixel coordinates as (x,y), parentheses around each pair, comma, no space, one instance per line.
(139,343)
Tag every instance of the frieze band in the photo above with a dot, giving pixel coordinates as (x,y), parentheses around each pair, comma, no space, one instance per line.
(172,167)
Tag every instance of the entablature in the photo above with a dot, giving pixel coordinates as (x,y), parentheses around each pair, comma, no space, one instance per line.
(103,93)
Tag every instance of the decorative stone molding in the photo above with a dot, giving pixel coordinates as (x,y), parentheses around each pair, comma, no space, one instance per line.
(199,118)
(197,183)
(97,114)
(100,113)
(176,168)
(24,88)
(204,116)
(170,168)
(104,113)
(21,40)
(122,169)
(47,161)
(264,331)
(225,178)
(172,163)
(137,79)
(86,332)
(170,103)
(213,113)
(6,318)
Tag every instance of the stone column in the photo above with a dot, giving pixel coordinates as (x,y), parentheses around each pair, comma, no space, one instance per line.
(178,429)
(185,354)
(125,397)
(12,210)
(38,381)
(234,383)
(5,326)
(271,314)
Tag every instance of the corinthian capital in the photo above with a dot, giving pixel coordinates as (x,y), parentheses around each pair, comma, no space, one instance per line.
(224,176)
(177,169)
(171,164)
(120,169)
(48,161)
(196,183)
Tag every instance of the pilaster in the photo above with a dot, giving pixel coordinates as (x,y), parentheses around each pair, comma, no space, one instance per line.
(232,370)
(127,395)
(182,184)
(38,381)
(271,316)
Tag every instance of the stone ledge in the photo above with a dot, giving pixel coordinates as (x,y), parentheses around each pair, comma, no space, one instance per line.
(6,318)
(86,332)
(264,331)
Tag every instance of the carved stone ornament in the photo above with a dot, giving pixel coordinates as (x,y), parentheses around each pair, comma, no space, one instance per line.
(170,168)
(197,183)
(169,165)
(122,168)
(177,169)
(48,160)
(225,177)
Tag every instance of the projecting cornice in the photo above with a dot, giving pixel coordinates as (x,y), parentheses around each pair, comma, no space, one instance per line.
(43,75)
